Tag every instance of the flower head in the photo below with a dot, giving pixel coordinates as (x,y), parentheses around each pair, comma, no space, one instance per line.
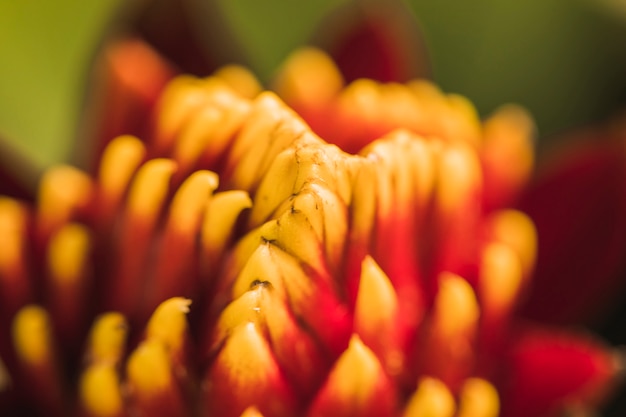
(323,249)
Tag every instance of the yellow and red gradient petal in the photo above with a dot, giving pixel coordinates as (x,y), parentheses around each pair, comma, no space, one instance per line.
(245,373)
(40,378)
(69,275)
(100,391)
(357,385)
(303,361)
(65,193)
(448,346)
(403,188)
(128,78)
(152,385)
(432,398)
(139,221)
(507,156)
(578,204)
(173,270)
(15,285)
(378,322)
(311,297)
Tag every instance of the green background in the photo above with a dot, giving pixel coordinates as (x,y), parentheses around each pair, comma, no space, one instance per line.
(562,59)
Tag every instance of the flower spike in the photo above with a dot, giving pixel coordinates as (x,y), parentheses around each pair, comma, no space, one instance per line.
(347,248)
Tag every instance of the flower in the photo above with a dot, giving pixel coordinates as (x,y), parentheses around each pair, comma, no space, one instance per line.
(318,250)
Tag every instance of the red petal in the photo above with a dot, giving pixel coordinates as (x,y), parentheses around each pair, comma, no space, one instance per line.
(377,40)
(550,371)
(128,78)
(579,208)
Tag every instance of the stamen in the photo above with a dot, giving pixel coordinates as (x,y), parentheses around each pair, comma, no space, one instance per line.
(31,336)
(149,369)
(107,339)
(251,412)
(153,388)
(37,357)
(189,202)
(145,202)
(174,272)
(69,268)
(221,215)
(240,79)
(68,255)
(478,398)
(150,188)
(62,191)
(120,160)
(459,176)
(168,323)
(516,230)
(449,351)
(100,391)
(309,79)
(500,278)
(197,135)
(507,155)
(209,132)
(456,310)
(14,279)
(463,122)
(431,399)
(182,98)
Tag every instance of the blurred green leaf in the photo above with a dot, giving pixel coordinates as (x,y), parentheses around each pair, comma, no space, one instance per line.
(45,47)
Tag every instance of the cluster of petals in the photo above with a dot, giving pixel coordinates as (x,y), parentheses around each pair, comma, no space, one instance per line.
(319,249)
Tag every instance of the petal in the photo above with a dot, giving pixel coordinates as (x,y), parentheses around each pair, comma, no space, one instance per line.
(579,208)
(244,374)
(377,40)
(356,386)
(550,371)
(127,80)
